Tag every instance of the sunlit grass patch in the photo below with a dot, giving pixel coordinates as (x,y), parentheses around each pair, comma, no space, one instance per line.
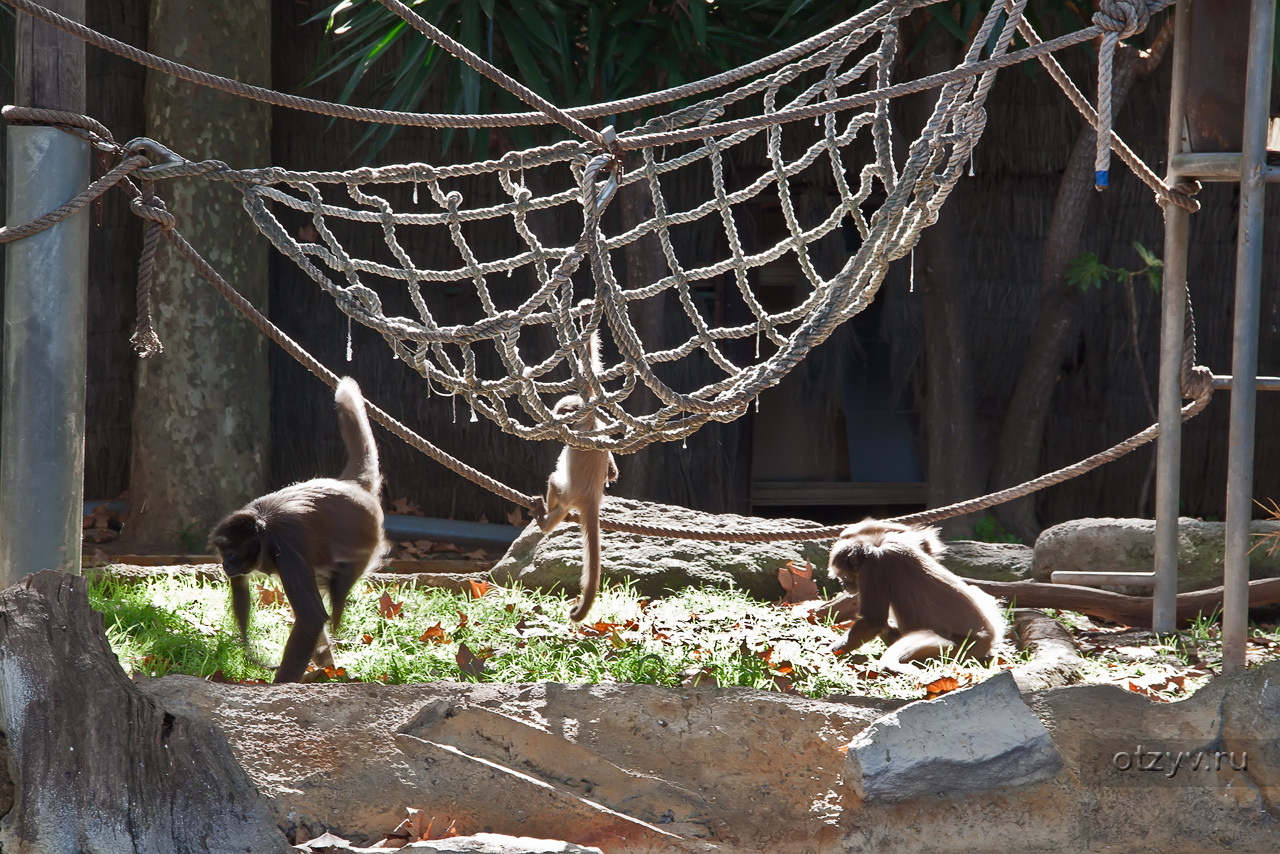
(699,636)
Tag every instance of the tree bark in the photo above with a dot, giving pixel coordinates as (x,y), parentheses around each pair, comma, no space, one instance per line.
(645,475)
(90,763)
(1017,456)
(201,410)
(954,469)
(952,461)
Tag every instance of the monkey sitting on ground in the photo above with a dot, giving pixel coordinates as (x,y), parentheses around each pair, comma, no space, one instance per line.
(894,568)
(578,484)
(318,534)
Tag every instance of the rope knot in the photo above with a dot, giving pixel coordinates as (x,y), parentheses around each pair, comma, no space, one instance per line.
(1197,383)
(1125,17)
(154,210)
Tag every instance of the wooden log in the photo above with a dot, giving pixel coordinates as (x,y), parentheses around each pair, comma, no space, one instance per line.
(1117,607)
(95,765)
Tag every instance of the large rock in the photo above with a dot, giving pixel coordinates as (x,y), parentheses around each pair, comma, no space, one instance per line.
(743,770)
(657,565)
(623,767)
(988,561)
(972,740)
(1128,545)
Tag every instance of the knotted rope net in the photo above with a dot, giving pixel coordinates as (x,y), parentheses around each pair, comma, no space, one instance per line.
(822,102)
(836,83)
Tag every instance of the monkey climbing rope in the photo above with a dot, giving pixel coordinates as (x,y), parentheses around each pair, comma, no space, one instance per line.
(818,80)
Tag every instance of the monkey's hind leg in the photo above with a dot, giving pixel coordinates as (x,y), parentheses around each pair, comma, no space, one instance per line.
(920,645)
(552,512)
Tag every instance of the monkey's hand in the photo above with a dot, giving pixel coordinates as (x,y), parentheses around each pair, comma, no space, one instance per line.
(859,633)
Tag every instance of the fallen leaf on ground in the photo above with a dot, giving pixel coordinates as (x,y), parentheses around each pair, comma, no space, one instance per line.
(435,634)
(387,608)
(269,597)
(469,663)
(405,507)
(478,588)
(942,685)
(325,841)
(798,583)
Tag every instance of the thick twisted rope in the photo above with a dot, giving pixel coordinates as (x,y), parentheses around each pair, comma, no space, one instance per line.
(915,196)
(1181,195)
(1118,19)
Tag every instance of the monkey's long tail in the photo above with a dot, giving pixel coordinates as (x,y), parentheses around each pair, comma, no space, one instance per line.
(589,519)
(353,422)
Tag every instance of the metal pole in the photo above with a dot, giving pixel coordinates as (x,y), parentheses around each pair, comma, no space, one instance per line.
(1172,317)
(1244,361)
(46,300)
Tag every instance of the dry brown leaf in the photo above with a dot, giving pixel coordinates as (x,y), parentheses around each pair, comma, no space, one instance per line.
(469,663)
(942,685)
(387,608)
(269,597)
(405,507)
(366,639)
(698,677)
(435,634)
(798,583)
(478,588)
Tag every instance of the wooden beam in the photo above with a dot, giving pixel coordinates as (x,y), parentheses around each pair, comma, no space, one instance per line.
(49,68)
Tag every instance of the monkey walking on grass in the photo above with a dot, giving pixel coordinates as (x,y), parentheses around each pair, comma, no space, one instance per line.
(894,569)
(321,534)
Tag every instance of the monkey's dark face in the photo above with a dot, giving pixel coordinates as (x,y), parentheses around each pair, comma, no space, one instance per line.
(239,540)
(846,560)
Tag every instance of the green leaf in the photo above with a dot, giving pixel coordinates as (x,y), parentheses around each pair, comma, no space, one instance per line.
(1085,271)
(698,17)
(943,16)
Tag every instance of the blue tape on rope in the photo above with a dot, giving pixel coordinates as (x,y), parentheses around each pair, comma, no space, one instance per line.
(1100,180)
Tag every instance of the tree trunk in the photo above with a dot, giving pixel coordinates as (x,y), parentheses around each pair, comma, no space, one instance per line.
(646,474)
(201,412)
(953,469)
(90,763)
(1017,456)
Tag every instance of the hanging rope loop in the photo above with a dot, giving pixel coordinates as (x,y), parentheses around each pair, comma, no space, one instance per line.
(1119,19)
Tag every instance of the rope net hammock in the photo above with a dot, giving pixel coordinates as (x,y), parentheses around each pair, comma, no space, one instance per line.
(824,101)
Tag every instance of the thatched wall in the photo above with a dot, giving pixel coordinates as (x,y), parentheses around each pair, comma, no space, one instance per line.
(1007,207)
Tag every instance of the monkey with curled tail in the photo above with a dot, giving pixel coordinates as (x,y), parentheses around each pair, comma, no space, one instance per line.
(321,534)
(578,483)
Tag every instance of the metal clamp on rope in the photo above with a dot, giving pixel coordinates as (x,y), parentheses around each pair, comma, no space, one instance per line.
(612,160)
(162,158)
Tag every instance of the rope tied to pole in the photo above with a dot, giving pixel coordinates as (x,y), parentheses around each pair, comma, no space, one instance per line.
(1119,19)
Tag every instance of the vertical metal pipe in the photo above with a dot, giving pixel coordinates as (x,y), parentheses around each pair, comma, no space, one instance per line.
(1173,316)
(1244,360)
(45,311)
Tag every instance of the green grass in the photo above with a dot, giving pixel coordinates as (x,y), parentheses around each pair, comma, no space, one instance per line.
(697,636)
